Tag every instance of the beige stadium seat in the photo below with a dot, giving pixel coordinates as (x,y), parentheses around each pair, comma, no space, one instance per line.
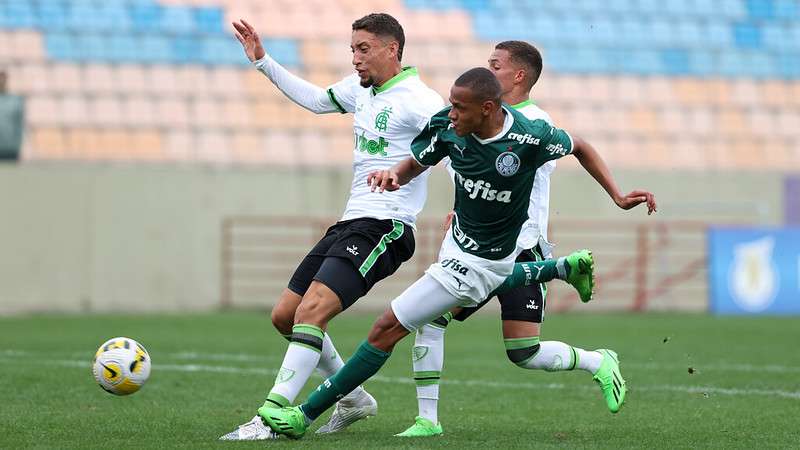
(98,78)
(247,148)
(674,120)
(701,121)
(179,145)
(456,26)
(65,78)
(236,114)
(720,92)
(73,110)
(643,120)
(192,81)
(745,92)
(42,110)
(585,119)
(776,93)
(161,80)
(658,90)
(115,144)
(131,79)
(628,90)
(312,149)
(105,110)
(731,122)
(138,111)
(280,148)
(213,146)
(788,123)
(265,113)
(226,81)
(760,122)
(147,145)
(6,46)
(340,147)
(27,45)
(81,143)
(205,113)
(47,143)
(794,99)
(172,112)
(690,91)
(597,89)
(34,78)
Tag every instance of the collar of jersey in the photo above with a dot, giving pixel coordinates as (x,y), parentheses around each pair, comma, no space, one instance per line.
(405,73)
(523,104)
(507,124)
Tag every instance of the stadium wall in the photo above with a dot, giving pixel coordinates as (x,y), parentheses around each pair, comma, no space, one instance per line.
(90,238)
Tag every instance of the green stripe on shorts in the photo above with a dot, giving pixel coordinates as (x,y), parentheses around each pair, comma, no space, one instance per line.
(379,249)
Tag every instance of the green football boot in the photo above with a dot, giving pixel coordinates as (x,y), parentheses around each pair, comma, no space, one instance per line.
(610,379)
(422,428)
(581,273)
(289,421)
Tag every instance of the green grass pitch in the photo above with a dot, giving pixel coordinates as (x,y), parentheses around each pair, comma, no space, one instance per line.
(695,382)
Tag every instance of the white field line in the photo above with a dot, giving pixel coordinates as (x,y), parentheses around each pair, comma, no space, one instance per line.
(705,390)
(636,365)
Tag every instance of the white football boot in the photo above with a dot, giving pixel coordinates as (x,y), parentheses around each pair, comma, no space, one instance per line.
(255,430)
(350,410)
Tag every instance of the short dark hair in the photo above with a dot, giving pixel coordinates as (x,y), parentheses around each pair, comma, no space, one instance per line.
(525,54)
(383,25)
(482,82)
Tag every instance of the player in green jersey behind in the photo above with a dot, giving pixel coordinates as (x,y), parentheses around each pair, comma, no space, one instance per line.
(495,152)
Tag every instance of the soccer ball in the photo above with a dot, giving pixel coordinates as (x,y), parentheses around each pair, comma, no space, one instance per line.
(121,366)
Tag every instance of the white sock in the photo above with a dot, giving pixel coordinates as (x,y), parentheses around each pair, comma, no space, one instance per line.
(428,360)
(554,356)
(298,363)
(330,361)
(588,360)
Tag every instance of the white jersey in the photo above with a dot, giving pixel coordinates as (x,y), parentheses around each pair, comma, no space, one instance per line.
(534,230)
(386,120)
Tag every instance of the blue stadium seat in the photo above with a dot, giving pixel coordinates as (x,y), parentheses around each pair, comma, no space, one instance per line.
(702,8)
(185,49)
(146,16)
(473,5)
(112,16)
(662,32)
(760,9)
(787,9)
(153,48)
(177,20)
(92,47)
(675,61)
(17,14)
(676,9)
(222,50)
(80,18)
(788,65)
(731,9)
(689,33)
(701,63)
(718,35)
(775,36)
(643,62)
(633,32)
(209,20)
(61,46)
(545,29)
(52,15)
(122,48)
(747,35)
(285,51)
(731,63)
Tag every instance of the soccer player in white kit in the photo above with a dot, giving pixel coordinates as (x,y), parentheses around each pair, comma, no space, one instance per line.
(391,105)
(517,66)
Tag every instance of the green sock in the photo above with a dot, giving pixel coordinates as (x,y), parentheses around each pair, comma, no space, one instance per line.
(363,364)
(527,273)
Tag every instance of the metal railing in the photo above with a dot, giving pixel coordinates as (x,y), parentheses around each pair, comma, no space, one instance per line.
(653,265)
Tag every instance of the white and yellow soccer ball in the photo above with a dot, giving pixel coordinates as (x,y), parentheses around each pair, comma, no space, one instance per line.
(121,366)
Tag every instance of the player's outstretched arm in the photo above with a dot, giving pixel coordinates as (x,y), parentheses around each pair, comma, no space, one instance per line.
(591,160)
(392,178)
(300,91)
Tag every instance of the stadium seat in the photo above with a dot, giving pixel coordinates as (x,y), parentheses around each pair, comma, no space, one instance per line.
(179,145)
(213,147)
(138,111)
(47,143)
(205,113)
(73,111)
(173,113)
(42,110)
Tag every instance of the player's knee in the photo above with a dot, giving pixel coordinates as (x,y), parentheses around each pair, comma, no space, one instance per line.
(521,350)
(282,320)
(386,332)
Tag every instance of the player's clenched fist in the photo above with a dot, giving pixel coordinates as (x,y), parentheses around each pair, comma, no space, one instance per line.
(383,180)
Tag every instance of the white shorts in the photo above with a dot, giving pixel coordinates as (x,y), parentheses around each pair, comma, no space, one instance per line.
(457,279)
(469,277)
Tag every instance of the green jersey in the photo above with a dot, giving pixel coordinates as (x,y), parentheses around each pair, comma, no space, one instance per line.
(493,177)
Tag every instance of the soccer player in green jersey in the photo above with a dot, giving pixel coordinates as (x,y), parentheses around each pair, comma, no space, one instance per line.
(495,152)
(517,66)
